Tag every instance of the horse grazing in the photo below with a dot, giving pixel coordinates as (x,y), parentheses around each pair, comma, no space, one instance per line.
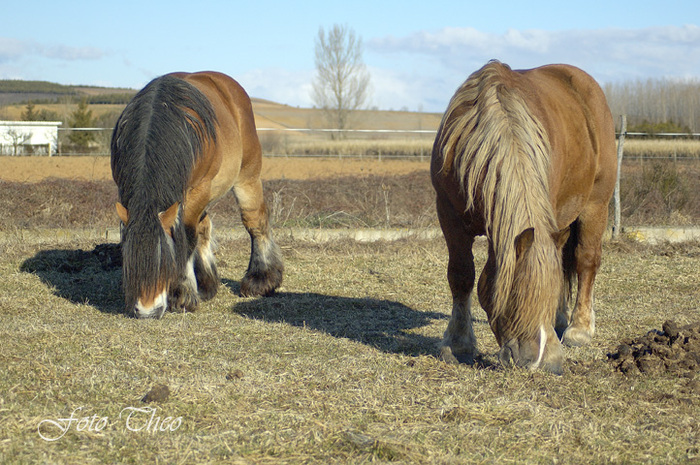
(526,158)
(182,143)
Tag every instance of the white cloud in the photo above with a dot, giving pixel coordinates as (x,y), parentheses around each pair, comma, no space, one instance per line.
(63,52)
(11,49)
(650,51)
(442,59)
(278,85)
(14,50)
(399,90)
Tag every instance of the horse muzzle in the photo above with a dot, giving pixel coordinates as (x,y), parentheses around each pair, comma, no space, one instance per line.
(540,353)
(155,309)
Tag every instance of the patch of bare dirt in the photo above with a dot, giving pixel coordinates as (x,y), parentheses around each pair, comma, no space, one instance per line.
(92,168)
(674,350)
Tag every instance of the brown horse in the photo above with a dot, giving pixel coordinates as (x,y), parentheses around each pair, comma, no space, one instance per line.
(526,158)
(182,143)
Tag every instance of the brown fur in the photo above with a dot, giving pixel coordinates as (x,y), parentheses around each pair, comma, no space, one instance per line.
(521,151)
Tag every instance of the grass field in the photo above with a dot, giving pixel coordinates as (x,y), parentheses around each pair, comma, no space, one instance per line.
(339,367)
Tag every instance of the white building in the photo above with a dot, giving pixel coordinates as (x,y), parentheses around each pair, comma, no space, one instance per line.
(29,137)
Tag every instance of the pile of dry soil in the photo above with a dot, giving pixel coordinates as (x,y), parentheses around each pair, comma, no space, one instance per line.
(674,350)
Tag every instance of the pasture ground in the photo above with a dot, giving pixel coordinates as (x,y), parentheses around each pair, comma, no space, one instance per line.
(339,367)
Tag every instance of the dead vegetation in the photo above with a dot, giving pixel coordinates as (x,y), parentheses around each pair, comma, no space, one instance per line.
(652,194)
(339,367)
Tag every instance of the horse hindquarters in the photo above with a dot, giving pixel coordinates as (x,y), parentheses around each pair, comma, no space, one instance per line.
(265,268)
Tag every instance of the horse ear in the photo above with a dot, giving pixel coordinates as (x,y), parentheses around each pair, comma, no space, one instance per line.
(168,217)
(561,237)
(122,213)
(524,241)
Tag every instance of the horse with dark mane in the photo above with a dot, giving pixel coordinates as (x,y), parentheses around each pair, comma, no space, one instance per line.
(182,143)
(526,158)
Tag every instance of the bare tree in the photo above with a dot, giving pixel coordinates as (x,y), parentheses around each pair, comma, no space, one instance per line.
(342,81)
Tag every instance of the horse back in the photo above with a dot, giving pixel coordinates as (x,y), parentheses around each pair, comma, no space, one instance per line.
(573,109)
(236,155)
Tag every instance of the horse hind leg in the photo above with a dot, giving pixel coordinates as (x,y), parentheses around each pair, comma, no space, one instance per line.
(592,223)
(205,271)
(563,316)
(266,267)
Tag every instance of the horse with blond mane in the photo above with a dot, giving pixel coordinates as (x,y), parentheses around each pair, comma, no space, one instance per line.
(526,158)
(181,144)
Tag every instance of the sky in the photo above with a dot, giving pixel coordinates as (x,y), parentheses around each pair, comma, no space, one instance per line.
(417,52)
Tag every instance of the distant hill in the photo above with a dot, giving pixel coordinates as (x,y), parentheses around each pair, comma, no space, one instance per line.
(18,91)
(14,94)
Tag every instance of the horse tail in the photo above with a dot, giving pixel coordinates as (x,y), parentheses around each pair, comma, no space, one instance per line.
(159,137)
(500,154)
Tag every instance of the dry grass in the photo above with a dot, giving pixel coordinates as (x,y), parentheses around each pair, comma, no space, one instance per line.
(399,146)
(339,367)
(420,146)
(662,148)
(653,193)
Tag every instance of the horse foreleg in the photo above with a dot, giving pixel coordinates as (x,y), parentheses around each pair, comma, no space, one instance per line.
(592,222)
(459,342)
(265,268)
(184,298)
(204,262)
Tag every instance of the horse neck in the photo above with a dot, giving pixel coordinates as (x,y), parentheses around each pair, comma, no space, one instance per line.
(501,156)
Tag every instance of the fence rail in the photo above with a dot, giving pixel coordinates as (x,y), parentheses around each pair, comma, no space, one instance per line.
(300,142)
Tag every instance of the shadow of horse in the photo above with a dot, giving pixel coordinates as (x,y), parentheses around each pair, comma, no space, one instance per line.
(93,277)
(82,277)
(383,324)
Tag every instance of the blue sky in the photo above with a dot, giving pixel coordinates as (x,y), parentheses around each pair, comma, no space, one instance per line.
(417,52)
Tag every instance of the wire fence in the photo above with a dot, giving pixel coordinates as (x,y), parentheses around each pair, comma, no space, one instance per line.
(386,143)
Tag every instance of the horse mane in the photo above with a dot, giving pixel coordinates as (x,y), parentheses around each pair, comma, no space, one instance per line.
(156,142)
(500,154)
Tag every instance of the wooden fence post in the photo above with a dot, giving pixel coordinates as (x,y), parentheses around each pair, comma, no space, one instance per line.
(620,150)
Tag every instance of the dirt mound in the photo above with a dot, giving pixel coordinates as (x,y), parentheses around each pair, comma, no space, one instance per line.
(674,350)
(105,257)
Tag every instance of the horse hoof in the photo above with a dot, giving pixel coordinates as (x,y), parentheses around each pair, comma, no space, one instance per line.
(574,337)
(447,356)
(553,360)
(183,300)
(263,284)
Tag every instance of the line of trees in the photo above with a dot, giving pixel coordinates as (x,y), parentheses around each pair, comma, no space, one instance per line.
(657,105)
(25,87)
